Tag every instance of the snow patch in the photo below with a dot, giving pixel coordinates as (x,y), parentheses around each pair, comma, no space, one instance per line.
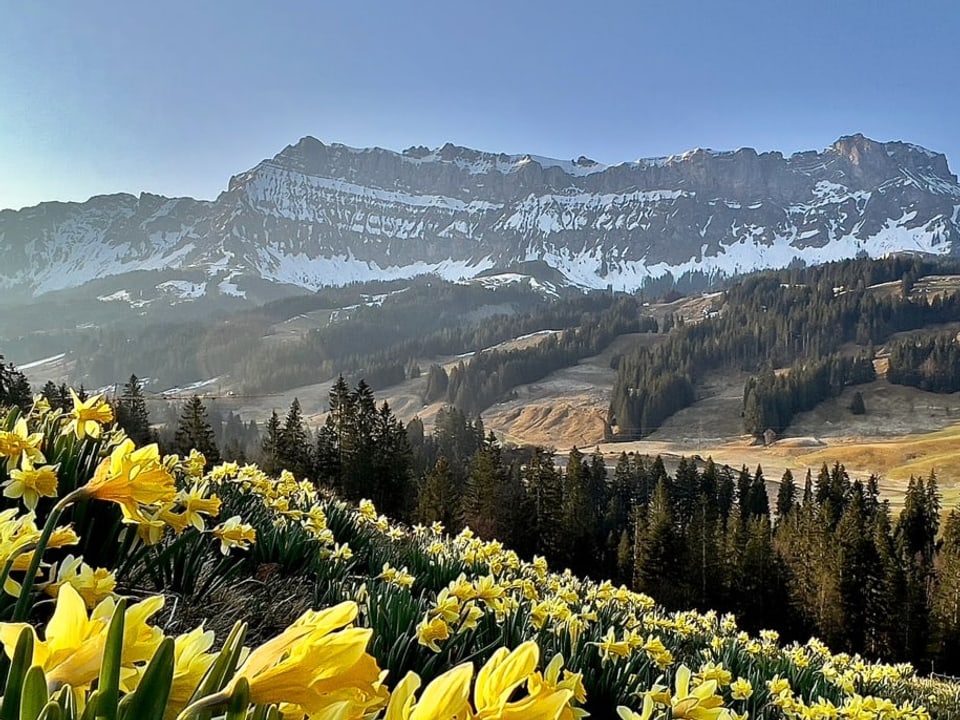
(190,387)
(183,289)
(44,361)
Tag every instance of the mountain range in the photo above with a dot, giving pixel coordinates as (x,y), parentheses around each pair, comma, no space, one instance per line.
(325,214)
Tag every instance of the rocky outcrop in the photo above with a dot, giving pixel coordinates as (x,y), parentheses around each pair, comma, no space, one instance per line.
(319,214)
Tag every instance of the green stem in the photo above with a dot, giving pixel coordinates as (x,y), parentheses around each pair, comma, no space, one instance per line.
(220,698)
(23,602)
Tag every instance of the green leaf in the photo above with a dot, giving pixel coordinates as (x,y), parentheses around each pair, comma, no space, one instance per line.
(239,701)
(91,708)
(51,711)
(109,679)
(149,700)
(34,696)
(22,657)
(222,669)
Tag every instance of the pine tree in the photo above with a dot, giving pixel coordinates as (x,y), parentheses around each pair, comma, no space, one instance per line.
(481,493)
(577,517)
(786,496)
(51,395)
(270,447)
(194,432)
(624,558)
(339,433)
(857,406)
(946,600)
(132,413)
(657,555)
(14,388)
(546,494)
(293,450)
(393,489)
(437,499)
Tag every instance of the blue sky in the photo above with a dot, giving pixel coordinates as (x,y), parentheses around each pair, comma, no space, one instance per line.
(174,97)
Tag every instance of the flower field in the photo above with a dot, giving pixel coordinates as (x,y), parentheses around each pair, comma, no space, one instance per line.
(100,540)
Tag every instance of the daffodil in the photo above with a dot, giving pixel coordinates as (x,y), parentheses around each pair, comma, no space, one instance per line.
(315,665)
(626,713)
(234,534)
(504,672)
(446,697)
(430,632)
(93,585)
(196,503)
(741,689)
(692,703)
(73,643)
(191,660)
(20,442)
(131,478)
(87,416)
(31,483)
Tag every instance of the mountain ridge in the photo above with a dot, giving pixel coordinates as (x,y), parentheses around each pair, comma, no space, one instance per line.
(320,214)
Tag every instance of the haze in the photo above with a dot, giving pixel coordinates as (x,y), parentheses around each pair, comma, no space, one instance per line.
(173,98)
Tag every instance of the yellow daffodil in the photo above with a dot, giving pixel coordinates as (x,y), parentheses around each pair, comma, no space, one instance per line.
(131,478)
(315,665)
(430,632)
(341,552)
(191,660)
(610,646)
(504,672)
(446,697)
(73,643)
(20,442)
(87,416)
(31,483)
(41,406)
(400,578)
(626,713)
(741,689)
(234,534)
(93,585)
(403,697)
(693,703)
(196,503)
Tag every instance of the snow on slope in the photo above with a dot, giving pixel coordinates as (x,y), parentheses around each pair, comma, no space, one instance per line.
(318,215)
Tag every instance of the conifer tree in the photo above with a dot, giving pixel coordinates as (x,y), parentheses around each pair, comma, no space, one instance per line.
(786,495)
(14,388)
(132,413)
(270,447)
(546,494)
(481,493)
(577,518)
(51,394)
(293,450)
(946,600)
(194,432)
(438,499)
(392,485)
(657,555)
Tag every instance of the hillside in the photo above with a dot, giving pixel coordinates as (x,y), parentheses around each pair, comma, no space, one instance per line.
(337,589)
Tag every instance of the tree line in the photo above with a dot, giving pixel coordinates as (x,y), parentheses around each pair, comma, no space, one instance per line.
(929,362)
(771,399)
(772,320)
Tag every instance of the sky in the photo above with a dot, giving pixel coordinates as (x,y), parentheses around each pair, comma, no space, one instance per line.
(174,97)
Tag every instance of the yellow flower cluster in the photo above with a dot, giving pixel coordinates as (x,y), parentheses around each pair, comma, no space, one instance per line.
(507,687)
